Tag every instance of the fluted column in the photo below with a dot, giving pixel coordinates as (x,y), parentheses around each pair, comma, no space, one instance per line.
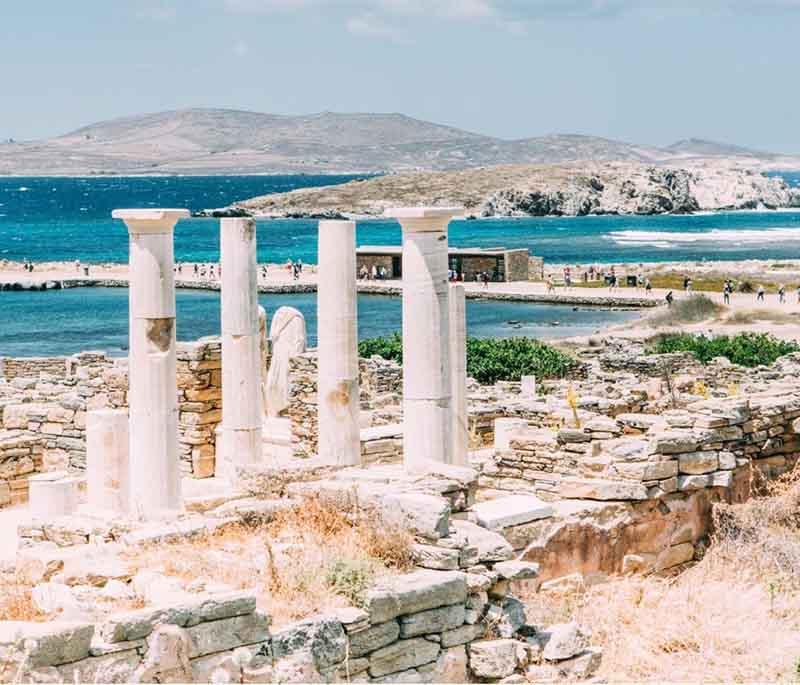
(458,376)
(426,342)
(241,348)
(155,487)
(337,333)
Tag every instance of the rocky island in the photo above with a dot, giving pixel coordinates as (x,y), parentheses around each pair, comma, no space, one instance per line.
(574,189)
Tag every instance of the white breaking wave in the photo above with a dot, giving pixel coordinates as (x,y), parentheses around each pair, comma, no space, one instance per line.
(670,239)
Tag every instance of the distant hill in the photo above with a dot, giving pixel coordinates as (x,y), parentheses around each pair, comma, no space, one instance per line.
(210,141)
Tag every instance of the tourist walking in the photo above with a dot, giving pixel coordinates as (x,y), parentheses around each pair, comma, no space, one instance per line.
(648,287)
(726,292)
(669,299)
(760,294)
(781,294)
(550,287)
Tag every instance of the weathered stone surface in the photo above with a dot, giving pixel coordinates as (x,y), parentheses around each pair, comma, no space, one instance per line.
(507,617)
(415,592)
(228,633)
(432,620)
(368,640)
(517,570)
(514,510)
(402,655)
(582,666)
(462,635)
(674,442)
(119,667)
(696,463)
(491,546)
(591,488)
(167,656)
(565,640)
(437,558)
(494,658)
(46,644)
(451,666)
(323,636)
(675,555)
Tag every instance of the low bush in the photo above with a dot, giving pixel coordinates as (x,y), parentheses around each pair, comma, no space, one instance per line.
(489,359)
(686,310)
(745,349)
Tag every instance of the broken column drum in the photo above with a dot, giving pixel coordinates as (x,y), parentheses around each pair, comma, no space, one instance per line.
(426,342)
(241,348)
(154,470)
(338,402)
(107,460)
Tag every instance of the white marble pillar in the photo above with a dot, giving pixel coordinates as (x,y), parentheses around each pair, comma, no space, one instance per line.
(337,333)
(528,387)
(426,343)
(458,376)
(154,470)
(241,349)
(51,495)
(107,459)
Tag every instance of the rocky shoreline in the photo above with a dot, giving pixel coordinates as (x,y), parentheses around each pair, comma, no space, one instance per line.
(580,189)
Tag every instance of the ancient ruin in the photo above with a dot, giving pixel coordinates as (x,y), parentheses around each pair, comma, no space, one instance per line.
(494,490)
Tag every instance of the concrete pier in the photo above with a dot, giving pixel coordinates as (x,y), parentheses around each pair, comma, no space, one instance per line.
(107,460)
(338,406)
(155,486)
(458,376)
(242,400)
(426,342)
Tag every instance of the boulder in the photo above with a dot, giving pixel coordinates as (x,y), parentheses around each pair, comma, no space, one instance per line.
(495,658)
(323,637)
(491,546)
(564,641)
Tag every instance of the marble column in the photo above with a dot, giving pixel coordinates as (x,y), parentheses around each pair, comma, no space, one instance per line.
(154,470)
(458,376)
(337,326)
(107,457)
(426,343)
(241,349)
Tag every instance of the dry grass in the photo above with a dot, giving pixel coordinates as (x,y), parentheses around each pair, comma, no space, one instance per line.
(16,603)
(733,617)
(749,316)
(310,558)
(686,310)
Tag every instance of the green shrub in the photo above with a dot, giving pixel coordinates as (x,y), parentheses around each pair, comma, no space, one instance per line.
(745,349)
(490,359)
(351,578)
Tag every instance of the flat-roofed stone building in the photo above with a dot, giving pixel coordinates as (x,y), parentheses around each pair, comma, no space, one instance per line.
(500,263)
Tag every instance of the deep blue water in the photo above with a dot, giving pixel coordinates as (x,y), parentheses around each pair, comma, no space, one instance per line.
(45,219)
(53,322)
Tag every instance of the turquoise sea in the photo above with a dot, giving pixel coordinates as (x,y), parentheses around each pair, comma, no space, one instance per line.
(47,219)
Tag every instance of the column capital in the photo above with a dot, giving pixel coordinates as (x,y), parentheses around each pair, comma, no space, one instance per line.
(424,218)
(150,220)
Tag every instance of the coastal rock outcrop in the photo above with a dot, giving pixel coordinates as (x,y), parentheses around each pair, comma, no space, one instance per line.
(576,189)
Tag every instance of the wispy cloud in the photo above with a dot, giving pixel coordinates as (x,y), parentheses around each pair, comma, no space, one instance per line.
(240,48)
(392,19)
(160,12)
(372,26)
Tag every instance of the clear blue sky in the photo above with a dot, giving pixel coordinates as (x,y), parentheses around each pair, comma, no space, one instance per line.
(649,71)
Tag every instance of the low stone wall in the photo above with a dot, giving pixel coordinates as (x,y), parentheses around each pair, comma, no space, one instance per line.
(50,410)
(380,384)
(28,367)
(20,457)
(425,626)
(642,500)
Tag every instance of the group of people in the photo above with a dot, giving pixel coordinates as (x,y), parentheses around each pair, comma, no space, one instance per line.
(376,273)
(295,268)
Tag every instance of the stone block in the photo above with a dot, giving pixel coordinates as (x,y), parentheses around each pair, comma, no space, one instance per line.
(46,644)
(402,655)
(596,489)
(564,640)
(437,558)
(462,635)
(494,658)
(432,621)
(228,633)
(415,592)
(514,510)
(517,570)
(674,556)
(491,546)
(368,640)
(119,667)
(697,463)
(323,636)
